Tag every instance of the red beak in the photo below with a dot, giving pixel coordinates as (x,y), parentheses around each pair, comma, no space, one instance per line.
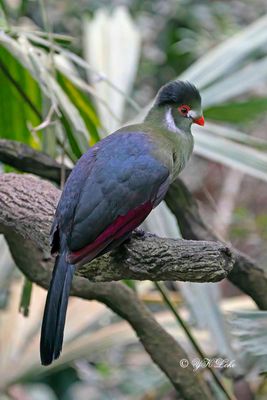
(200,121)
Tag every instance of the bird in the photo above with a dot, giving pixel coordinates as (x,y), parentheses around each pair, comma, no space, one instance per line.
(111,190)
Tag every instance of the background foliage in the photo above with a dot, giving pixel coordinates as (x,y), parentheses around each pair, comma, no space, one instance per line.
(70,73)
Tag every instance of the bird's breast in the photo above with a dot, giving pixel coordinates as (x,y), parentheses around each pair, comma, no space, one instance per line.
(173,150)
(181,155)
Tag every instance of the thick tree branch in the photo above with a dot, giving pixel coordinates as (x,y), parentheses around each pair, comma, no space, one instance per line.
(26,207)
(154,258)
(246,275)
(29,213)
(26,159)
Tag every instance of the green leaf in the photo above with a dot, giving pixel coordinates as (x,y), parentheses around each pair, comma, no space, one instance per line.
(84,105)
(130,283)
(20,100)
(74,145)
(25,298)
(38,64)
(237,112)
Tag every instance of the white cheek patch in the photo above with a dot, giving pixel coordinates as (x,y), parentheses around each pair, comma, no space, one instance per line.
(170,121)
(192,114)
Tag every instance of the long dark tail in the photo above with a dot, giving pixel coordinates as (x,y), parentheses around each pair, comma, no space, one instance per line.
(55,310)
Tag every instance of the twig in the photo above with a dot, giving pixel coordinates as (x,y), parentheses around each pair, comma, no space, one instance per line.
(46,122)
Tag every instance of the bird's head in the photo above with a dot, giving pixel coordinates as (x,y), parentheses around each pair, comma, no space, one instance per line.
(181,103)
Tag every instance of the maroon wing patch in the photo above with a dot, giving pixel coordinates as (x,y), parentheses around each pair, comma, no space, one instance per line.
(122,225)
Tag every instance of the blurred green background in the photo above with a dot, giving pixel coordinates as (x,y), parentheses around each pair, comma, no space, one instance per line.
(72,72)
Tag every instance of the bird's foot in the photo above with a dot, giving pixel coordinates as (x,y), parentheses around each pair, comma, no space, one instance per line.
(139,233)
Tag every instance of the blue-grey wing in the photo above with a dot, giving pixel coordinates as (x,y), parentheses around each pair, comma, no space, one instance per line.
(121,174)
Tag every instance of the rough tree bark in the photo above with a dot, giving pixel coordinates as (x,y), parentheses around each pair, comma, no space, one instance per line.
(27,205)
(19,154)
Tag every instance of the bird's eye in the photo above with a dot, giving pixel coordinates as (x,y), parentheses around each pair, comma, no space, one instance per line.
(183,109)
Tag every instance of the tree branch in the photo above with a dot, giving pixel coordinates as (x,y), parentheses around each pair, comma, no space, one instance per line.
(26,208)
(150,257)
(26,159)
(145,256)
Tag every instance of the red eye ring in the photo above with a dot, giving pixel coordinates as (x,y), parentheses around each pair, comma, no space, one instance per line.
(183,109)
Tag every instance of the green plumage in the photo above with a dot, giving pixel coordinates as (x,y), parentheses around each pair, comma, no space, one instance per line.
(168,129)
